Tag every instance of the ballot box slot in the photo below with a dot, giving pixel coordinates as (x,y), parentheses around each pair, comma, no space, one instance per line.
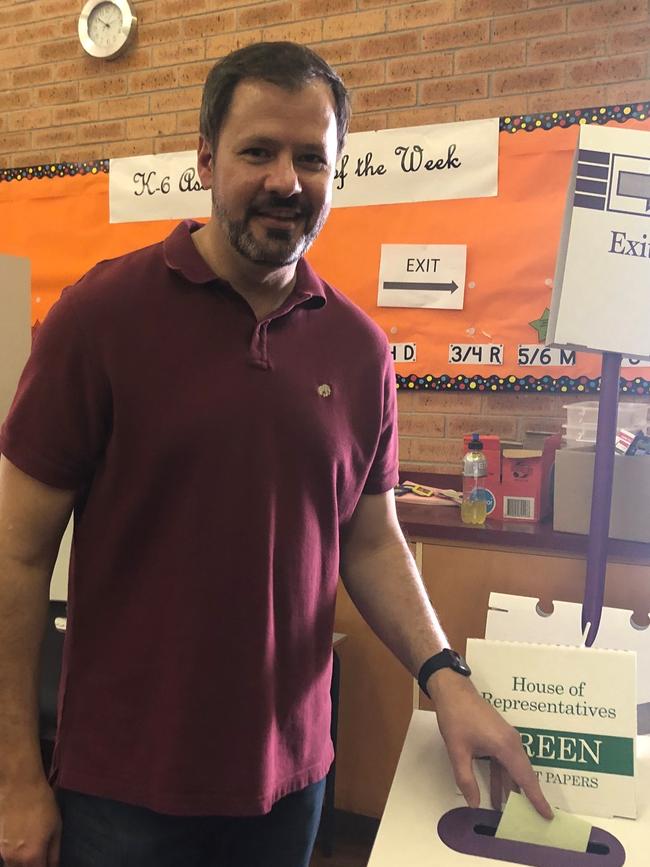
(471,831)
(592,848)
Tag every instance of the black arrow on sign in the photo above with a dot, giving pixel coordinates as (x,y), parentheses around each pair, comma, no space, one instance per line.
(430,287)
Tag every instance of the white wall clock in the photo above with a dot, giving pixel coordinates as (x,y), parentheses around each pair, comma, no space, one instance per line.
(106,27)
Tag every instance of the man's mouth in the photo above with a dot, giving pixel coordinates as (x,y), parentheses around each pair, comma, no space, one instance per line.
(281,215)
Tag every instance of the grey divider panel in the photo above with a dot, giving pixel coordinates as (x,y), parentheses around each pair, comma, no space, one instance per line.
(15,344)
(15,330)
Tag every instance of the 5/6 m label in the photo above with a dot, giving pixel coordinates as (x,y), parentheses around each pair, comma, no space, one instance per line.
(538,355)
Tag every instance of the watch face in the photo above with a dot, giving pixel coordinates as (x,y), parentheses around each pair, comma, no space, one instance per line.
(105,26)
(459,663)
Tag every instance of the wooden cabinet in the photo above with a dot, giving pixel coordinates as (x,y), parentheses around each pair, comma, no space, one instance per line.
(377,694)
(460,579)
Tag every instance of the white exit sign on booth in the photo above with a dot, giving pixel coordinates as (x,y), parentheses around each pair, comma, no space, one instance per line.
(601,296)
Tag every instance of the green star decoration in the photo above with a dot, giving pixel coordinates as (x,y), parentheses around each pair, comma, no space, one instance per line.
(541,325)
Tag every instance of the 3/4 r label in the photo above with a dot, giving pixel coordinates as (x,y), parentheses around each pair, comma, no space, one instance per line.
(475,353)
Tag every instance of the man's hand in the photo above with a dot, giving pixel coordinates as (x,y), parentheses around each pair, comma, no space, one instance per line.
(30,826)
(470,728)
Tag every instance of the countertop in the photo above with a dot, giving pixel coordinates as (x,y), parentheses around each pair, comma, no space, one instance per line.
(443,524)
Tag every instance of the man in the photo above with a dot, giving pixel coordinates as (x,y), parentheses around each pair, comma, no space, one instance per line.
(224,463)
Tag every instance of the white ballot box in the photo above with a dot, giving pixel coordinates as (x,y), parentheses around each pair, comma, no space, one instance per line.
(424,794)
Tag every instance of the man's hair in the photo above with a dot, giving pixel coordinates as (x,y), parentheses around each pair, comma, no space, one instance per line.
(285,64)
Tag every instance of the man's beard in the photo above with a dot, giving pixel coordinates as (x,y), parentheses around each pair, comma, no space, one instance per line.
(279,247)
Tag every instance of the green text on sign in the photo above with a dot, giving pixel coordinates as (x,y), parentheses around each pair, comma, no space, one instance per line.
(579,751)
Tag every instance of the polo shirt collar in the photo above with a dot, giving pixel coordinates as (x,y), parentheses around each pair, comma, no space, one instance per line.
(180,254)
(309,287)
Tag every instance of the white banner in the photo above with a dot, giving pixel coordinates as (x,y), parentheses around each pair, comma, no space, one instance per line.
(414,164)
(156,187)
(419,164)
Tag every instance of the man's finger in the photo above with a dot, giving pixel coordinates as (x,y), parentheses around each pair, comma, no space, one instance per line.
(524,776)
(501,784)
(533,792)
(465,779)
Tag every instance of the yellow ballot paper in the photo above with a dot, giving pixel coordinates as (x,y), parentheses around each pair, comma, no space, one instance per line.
(521,821)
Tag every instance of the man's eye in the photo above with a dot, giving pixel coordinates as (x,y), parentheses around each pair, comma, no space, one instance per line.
(257,153)
(314,160)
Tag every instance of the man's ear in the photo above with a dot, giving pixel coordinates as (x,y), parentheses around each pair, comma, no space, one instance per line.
(204,162)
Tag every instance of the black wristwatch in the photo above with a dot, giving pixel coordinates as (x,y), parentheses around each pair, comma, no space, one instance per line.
(447,658)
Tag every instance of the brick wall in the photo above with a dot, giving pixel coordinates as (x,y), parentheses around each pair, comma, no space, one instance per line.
(406,63)
(432,426)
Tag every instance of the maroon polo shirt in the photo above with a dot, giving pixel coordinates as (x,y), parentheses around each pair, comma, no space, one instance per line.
(215,459)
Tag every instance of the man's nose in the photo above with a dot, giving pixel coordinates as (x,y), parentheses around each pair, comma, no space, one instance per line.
(282,178)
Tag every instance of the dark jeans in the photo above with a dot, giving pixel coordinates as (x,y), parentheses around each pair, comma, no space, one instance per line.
(101,833)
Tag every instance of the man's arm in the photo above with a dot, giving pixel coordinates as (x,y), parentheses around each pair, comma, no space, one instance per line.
(382,579)
(33,517)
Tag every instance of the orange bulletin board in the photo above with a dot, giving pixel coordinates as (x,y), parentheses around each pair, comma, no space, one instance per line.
(57,216)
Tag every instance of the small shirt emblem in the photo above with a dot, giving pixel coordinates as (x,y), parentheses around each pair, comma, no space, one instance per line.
(324,390)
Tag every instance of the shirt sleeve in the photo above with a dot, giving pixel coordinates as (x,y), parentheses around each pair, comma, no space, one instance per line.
(384,472)
(59,421)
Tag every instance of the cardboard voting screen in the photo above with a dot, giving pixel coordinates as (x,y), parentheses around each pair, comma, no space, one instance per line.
(600,298)
(575,710)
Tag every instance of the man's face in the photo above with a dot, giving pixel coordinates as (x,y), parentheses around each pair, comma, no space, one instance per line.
(271,175)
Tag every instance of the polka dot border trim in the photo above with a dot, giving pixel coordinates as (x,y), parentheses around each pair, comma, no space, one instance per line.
(580,116)
(525,384)
(54,170)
